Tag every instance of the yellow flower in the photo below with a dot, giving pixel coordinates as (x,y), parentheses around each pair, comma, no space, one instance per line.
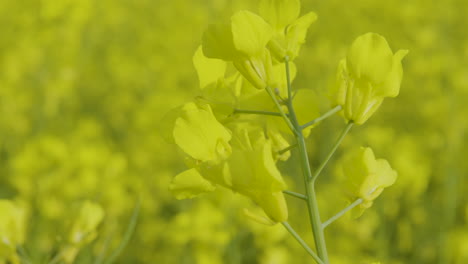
(250,170)
(369,73)
(200,135)
(209,70)
(85,225)
(243,42)
(216,89)
(290,31)
(83,230)
(365,176)
(12,230)
(189,184)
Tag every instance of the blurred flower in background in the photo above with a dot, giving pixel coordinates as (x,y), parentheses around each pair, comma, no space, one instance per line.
(84,87)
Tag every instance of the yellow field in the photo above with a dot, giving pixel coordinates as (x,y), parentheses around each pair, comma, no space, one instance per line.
(85,89)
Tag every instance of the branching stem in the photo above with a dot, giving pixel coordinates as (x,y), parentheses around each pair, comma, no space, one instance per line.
(302,242)
(342,212)
(287,149)
(312,204)
(280,109)
(256,112)
(332,151)
(323,117)
(295,194)
(309,180)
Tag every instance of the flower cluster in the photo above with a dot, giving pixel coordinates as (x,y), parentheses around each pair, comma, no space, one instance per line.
(223,147)
(13,224)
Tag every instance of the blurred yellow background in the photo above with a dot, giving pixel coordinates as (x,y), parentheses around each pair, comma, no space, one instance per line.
(84,85)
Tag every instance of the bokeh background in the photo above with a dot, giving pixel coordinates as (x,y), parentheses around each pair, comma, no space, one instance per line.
(84,85)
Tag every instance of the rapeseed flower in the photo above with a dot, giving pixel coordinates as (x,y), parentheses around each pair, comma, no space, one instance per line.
(290,30)
(369,73)
(364,176)
(12,230)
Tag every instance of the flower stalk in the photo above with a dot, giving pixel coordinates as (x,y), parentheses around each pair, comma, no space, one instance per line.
(302,242)
(342,212)
(295,194)
(309,180)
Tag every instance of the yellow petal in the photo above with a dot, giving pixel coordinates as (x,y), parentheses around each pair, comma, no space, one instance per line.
(12,225)
(370,58)
(209,70)
(250,33)
(167,123)
(259,218)
(365,176)
(200,135)
(84,228)
(274,205)
(391,87)
(252,165)
(279,13)
(189,184)
(218,42)
(297,32)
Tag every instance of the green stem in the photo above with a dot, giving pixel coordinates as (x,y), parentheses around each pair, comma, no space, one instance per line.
(128,234)
(302,242)
(280,109)
(342,212)
(287,149)
(312,204)
(23,255)
(255,112)
(323,117)
(103,251)
(330,154)
(288,78)
(56,258)
(295,194)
